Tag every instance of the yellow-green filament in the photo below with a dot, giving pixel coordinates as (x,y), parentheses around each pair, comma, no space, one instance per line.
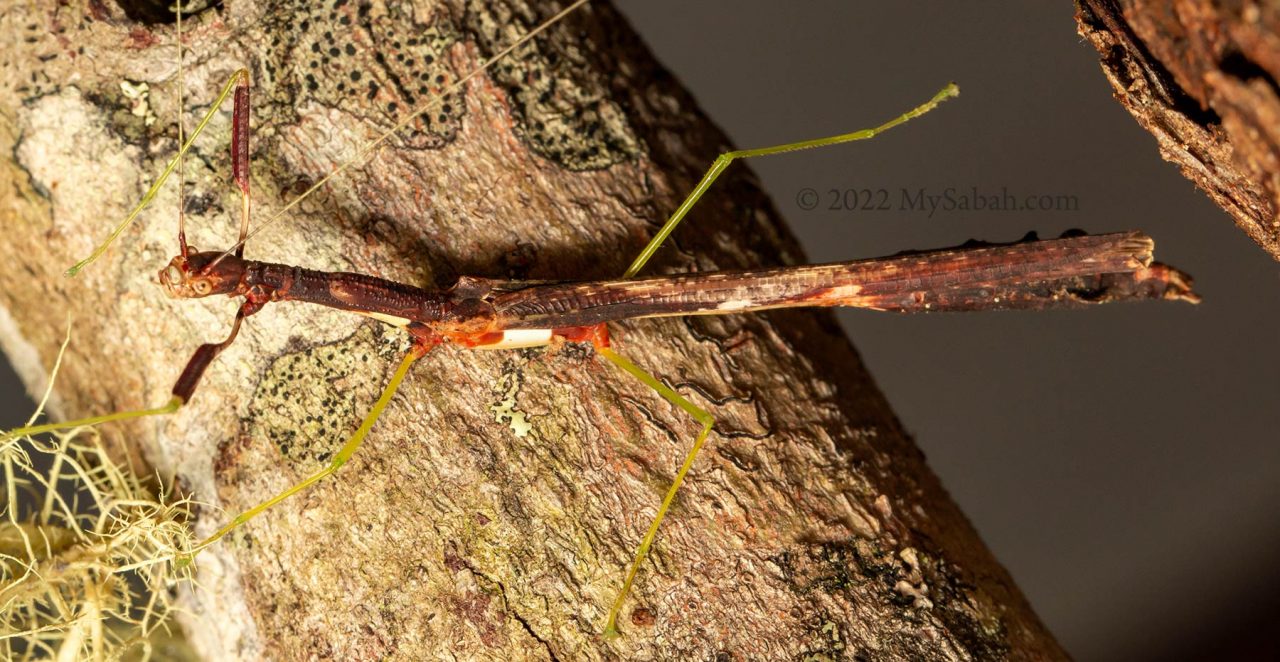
(169,408)
(725,159)
(155,187)
(707,421)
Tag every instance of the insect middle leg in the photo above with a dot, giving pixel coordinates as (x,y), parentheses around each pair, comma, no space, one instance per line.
(183,388)
(702,416)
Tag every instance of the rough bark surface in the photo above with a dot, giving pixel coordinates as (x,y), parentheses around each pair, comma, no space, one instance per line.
(494,509)
(1201,77)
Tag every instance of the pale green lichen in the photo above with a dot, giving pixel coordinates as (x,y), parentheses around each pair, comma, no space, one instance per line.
(504,410)
(139,96)
(86,551)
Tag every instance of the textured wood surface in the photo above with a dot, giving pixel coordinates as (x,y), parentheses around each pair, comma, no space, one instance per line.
(494,508)
(1201,77)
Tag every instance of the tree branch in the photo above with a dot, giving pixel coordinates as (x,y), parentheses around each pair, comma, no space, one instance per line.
(1201,77)
(494,508)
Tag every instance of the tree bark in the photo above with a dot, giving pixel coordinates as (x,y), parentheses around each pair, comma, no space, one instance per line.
(494,508)
(1201,77)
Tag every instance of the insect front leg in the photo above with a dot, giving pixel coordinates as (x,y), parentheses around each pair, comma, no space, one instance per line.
(238,80)
(183,388)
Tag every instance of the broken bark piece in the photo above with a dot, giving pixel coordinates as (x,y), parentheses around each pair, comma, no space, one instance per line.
(1201,77)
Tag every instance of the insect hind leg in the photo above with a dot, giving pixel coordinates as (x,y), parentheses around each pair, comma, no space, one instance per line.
(722,162)
(700,415)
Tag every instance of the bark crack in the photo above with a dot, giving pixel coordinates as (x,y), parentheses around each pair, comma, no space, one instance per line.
(514,612)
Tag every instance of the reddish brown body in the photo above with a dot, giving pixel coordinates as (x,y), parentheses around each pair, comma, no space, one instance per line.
(1056,273)
(1031,274)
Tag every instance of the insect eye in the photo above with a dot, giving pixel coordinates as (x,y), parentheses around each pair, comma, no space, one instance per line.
(202,287)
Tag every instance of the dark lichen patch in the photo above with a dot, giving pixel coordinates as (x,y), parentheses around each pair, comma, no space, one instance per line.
(969,615)
(309,401)
(377,61)
(983,641)
(201,203)
(44,43)
(852,567)
(131,111)
(560,103)
(843,566)
(834,567)
(127,109)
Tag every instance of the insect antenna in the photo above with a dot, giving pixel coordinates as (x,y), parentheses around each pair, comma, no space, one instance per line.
(182,219)
(429,105)
(240,80)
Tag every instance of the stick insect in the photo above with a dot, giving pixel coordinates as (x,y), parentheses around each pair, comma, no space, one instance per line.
(486,314)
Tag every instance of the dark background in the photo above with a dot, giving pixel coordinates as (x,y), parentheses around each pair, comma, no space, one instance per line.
(1122,461)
